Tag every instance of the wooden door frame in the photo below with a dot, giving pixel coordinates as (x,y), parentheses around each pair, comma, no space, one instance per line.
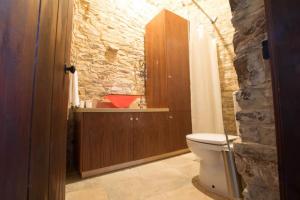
(283,20)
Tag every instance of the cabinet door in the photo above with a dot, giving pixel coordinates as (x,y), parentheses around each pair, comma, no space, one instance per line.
(156,84)
(149,134)
(177,62)
(107,140)
(180,125)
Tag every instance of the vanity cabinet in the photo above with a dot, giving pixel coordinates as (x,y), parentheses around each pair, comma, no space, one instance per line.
(107,141)
(112,140)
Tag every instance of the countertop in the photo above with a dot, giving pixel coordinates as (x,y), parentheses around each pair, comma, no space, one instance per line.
(129,110)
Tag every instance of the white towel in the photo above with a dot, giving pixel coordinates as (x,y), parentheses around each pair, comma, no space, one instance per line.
(73,91)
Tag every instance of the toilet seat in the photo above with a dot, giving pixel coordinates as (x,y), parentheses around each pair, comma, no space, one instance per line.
(210,138)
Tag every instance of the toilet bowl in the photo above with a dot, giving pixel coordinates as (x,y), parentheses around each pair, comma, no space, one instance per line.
(216,170)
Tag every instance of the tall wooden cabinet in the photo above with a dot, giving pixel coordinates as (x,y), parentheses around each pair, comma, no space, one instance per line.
(168,78)
(167,62)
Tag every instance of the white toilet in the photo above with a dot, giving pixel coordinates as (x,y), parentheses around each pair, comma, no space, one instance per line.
(217,171)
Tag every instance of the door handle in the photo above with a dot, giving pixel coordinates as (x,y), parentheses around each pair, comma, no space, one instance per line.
(71,69)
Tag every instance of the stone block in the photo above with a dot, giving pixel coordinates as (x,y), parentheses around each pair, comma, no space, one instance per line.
(255,151)
(254,98)
(257,164)
(258,134)
(254,192)
(251,69)
(255,117)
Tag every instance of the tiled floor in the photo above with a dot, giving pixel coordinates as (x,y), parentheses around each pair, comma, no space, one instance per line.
(169,179)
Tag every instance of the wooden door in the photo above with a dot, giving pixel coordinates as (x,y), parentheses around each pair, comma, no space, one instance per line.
(150,134)
(283,21)
(60,88)
(179,126)
(18,29)
(177,62)
(33,103)
(155,54)
(47,174)
(106,140)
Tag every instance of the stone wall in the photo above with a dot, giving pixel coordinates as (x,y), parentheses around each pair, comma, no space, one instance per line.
(108,45)
(255,153)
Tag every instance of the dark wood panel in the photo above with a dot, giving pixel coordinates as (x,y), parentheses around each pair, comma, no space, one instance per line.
(79,133)
(18,29)
(150,134)
(69,32)
(58,139)
(167,62)
(156,83)
(177,61)
(41,126)
(180,125)
(283,21)
(107,140)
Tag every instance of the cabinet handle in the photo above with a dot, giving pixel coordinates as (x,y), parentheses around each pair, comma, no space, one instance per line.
(169,76)
(131,118)
(137,119)
(170,117)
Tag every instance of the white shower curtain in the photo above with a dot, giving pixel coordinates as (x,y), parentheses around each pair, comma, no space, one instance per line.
(205,83)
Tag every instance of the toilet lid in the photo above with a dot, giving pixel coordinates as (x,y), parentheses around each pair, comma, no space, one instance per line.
(210,138)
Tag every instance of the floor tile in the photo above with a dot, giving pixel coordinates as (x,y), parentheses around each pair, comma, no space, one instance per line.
(169,179)
(88,194)
(188,192)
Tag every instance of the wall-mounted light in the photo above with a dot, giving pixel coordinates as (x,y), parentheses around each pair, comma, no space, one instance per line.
(122,3)
(138,4)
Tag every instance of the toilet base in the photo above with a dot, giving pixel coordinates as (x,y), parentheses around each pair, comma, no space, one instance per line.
(212,174)
(207,190)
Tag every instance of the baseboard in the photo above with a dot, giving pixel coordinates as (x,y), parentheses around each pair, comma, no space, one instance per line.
(104,170)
